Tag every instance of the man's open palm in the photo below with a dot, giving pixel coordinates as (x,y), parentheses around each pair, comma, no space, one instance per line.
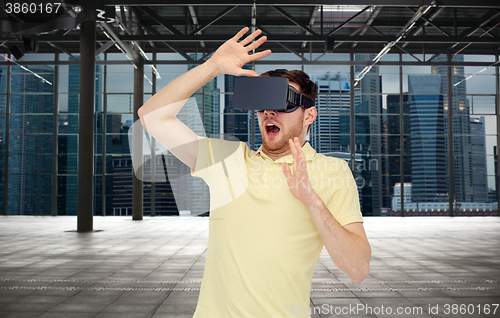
(232,55)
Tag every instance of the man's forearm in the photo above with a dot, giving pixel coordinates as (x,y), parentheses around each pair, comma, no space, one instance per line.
(179,90)
(350,252)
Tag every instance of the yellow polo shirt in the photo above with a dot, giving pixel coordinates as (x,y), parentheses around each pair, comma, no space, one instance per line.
(263,245)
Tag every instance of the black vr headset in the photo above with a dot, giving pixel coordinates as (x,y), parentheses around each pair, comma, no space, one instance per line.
(268,93)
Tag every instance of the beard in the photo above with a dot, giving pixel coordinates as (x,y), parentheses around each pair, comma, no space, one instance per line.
(280,144)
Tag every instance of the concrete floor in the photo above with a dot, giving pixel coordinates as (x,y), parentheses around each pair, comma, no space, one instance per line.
(153,268)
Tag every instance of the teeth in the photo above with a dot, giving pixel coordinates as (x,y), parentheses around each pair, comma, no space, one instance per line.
(270,125)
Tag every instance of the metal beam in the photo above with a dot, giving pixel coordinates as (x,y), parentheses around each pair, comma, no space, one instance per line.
(289,17)
(398,46)
(62,50)
(402,33)
(347,21)
(490,15)
(445,3)
(128,50)
(261,62)
(192,12)
(164,23)
(217,17)
(467,33)
(289,49)
(369,22)
(314,12)
(276,38)
(427,21)
(104,47)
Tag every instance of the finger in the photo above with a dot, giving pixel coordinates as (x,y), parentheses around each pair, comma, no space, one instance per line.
(259,55)
(286,170)
(294,154)
(240,33)
(288,174)
(243,72)
(300,154)
(256,44)
(249,38)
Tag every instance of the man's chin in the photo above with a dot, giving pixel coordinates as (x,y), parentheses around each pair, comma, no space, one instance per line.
(273,145)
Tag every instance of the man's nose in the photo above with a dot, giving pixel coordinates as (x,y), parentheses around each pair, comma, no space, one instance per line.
(270,112)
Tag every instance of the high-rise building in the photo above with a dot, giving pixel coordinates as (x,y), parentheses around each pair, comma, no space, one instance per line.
(67,188)
(333,99)
(30,136)
(393,140)
(478,160)
(428,139)
(462,185)
(330,132)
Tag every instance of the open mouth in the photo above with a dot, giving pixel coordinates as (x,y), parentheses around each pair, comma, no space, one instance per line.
(272,129)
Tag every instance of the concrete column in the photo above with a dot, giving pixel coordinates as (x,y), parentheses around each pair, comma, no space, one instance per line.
(497,106)
(451,176)
(104,132)
(153,151)
(401,137)
(55,136)
(7,129)
(352,114)
(137,184)
(86,127)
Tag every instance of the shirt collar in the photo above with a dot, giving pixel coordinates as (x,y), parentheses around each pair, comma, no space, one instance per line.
(309,152)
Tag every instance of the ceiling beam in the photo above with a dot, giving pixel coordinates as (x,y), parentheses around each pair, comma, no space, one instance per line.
(446,3)
(161,21)
(214,19)
(289,17)
(347,21)
(126,48)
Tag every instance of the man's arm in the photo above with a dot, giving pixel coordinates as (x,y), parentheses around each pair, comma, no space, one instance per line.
(348,246)
(158,114)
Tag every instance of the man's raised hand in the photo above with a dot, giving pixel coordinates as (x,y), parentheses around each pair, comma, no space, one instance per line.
(232,55)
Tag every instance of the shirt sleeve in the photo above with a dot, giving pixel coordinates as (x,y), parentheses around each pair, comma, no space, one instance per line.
(203,158)
(212,153)
(343,203)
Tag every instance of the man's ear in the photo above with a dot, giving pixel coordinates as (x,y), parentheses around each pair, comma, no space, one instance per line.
(312,113)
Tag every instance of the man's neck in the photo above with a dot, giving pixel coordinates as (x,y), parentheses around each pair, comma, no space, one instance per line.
(275,155)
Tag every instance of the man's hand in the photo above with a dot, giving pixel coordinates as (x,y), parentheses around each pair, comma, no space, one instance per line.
(299,182)
(232,55)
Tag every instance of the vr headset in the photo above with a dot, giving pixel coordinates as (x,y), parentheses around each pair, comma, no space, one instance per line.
(268,93)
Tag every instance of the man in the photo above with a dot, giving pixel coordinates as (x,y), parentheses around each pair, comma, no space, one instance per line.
(271,210)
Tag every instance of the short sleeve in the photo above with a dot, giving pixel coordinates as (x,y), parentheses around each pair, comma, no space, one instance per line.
(211,154)
(343,203)
(203,158)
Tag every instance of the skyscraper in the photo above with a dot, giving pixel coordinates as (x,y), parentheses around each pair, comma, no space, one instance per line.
(30,148)
(333,99)
(393,138)
(428,139)
(461,127)
(478,160)
(68,144)
(331,130)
